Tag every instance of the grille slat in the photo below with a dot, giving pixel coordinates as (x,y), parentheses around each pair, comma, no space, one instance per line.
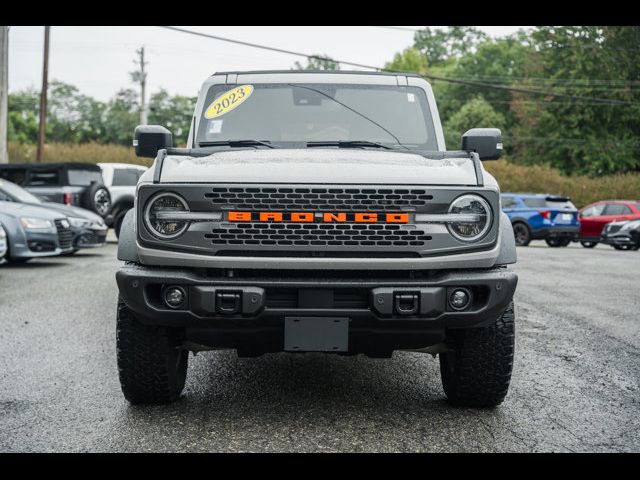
(318,235)
(336,199)
(65,235)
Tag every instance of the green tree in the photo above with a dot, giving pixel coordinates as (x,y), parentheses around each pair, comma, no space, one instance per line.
(409,60)
(439,46)
(175,113)
(579,136)
(476,113)
(318,62)
(121,117)
(23,110)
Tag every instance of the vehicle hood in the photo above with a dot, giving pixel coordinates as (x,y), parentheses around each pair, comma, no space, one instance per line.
(14,209)
(318,165)
(71,211)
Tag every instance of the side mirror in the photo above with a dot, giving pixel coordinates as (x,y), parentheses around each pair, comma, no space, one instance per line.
(148,139)
(486,142)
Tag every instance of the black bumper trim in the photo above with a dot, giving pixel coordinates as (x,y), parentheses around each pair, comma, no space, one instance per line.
(139,287)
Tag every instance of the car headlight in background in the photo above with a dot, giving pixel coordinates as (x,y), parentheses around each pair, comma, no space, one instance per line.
(480,211)
(158,213)
(79,222)
(630,226)
(36,223)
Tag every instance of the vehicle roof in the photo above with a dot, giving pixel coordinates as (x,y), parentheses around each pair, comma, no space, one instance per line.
(613,201)
(122,165)
(50,166)
(530,195)
(334,72)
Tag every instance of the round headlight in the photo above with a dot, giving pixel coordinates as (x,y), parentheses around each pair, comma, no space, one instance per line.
(469,231)
(161,205)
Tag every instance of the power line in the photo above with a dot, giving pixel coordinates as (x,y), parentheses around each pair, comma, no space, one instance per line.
(402,29)
(429,76)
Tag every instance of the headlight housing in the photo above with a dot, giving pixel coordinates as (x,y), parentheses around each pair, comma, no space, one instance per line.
(79,222)
(470,231)
(165,203)
(30,223)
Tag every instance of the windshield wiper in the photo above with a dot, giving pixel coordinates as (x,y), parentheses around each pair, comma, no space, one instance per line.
(238,143)
(348,144)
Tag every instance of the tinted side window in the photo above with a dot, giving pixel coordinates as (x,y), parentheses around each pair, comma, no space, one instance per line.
(43,178)
(125,177)
(617,209)
(508,202)
(535,202)
(15,176)
(594,211)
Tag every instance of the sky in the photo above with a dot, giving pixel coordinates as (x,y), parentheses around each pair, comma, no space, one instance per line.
(97,59)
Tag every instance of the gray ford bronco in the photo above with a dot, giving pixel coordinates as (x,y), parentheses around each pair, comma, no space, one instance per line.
(316,212)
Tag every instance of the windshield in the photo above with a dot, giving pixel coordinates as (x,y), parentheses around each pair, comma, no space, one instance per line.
(19,194)
(299,113)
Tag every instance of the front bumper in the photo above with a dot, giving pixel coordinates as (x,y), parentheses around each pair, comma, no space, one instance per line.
(557,232)
(89,238)
(620,239)
(38,244)
(254,324)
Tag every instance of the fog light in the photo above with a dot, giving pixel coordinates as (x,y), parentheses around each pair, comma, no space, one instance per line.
(459,299)
(174,297)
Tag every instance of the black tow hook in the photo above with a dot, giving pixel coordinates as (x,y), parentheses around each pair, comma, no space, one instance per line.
(406,303)
(228,303)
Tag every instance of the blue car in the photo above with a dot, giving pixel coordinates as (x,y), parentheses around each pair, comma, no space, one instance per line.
(536,216)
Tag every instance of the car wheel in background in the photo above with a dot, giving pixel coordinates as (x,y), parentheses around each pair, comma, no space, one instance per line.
(522,234)
(588,244)
(622,247)
(97,199)
(558,242)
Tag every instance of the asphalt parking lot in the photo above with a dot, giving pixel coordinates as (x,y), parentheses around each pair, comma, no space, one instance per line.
(575,386)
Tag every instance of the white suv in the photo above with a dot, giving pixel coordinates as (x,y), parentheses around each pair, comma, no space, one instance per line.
(121,180)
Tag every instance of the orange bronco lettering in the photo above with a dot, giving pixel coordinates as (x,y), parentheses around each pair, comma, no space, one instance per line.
(302,217)
(239,216)
(397,218)
(366,217)
(334,217)
(266,216)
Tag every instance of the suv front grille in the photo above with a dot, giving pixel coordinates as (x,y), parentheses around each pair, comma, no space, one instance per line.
(339,235)
(65,235)
(334,199)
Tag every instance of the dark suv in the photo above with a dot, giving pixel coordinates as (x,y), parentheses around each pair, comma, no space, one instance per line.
(78,184)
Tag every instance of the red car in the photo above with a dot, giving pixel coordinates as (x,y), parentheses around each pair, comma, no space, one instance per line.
(595,216)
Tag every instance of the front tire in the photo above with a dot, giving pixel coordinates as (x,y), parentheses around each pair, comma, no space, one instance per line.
(588,244)
(152,367)
(477,371)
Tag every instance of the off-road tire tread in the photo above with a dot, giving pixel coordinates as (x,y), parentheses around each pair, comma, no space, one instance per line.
(483,363)
(147,364)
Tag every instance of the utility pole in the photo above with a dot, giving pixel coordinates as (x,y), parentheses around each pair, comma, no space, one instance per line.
(43,97)
(140,76)
(4,89)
